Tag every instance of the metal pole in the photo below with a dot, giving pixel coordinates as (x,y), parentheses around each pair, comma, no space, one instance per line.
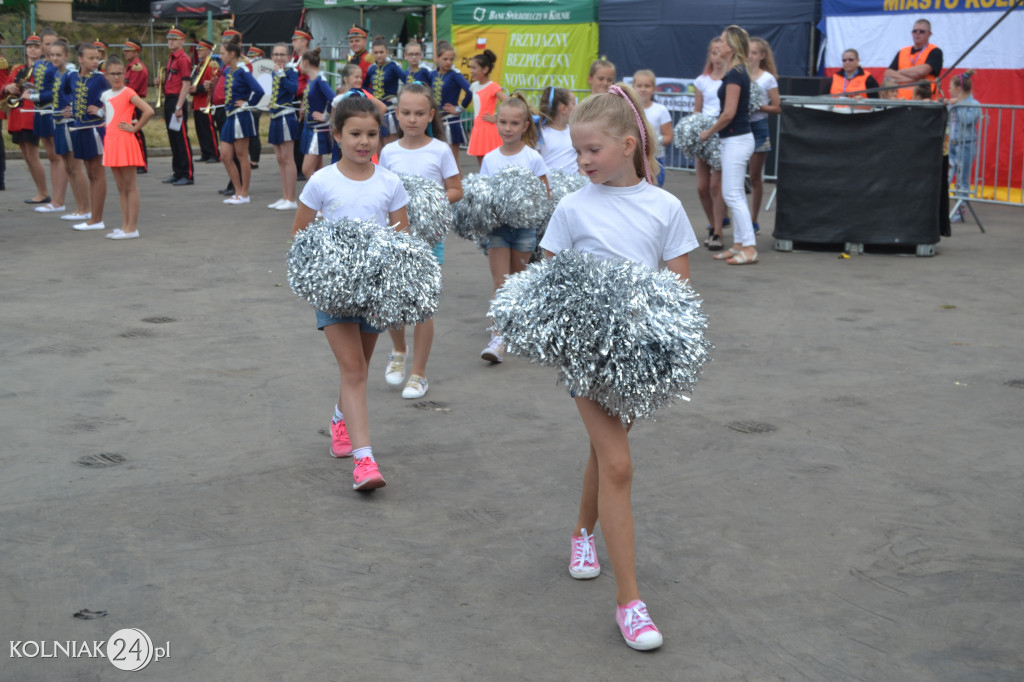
(810,53)
(32,18)
(433,35)
(209,25)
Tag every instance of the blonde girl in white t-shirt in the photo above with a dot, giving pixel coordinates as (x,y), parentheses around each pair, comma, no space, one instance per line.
(419,150)
(556,105)
(709,180)
(509,248)
(645,83)
(761,65)
(355,187)
(619,215)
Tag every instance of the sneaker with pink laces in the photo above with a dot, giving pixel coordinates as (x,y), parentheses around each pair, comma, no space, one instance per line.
(367,475)
(636,626)
(584,564)
(341,445)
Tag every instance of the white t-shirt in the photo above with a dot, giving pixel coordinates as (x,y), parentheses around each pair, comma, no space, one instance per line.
(708,88)
(434,161)
(334,195)
(658,115)
(766,82)
(642,223)
(557,150)
(527,158)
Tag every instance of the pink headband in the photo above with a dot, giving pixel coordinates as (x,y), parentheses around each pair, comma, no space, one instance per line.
(616,90)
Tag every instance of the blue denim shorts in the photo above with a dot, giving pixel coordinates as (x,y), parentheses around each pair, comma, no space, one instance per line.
(506,237)
(760,130)
(324,319)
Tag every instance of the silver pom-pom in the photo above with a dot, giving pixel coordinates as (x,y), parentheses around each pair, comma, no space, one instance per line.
(687,138)
(430,213)
(756,97)
(624,335)
(562,185)
(521,199)
(357,268)
(474,214)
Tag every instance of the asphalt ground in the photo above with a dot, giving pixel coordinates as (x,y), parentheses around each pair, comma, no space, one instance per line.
(840,501)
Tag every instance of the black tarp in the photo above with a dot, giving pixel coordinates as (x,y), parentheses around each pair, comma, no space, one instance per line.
(262,22)
(188,9)
(865,178)
(671,36)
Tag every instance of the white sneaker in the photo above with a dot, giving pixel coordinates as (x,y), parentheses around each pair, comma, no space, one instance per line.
(416,388)
(276,203)
(87,226)
(235,200)
(494,350)
(287,205)
(394,373)
(121,234)
(49,208)
(76,216)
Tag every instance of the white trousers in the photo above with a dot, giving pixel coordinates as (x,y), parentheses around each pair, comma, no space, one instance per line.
(736,151)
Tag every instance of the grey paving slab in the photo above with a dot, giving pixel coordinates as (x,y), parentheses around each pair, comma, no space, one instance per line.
(872,531)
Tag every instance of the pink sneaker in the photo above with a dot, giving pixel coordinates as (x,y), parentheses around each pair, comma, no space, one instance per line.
(367,475)
(584,564)
(341,446)
(636,626)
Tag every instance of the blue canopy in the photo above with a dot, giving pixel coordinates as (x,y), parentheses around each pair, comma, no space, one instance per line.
(671,36)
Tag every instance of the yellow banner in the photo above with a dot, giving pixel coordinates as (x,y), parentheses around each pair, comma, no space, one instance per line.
(531,57)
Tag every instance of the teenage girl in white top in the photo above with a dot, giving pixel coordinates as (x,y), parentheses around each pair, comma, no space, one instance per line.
(761,65)
(709,180)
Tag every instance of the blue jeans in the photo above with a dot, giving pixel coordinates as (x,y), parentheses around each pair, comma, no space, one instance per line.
(961,158)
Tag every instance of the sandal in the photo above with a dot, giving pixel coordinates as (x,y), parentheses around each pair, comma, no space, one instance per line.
(741,258)
(714,243)
(726,254)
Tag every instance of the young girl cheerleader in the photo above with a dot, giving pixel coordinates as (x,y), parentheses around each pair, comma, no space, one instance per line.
(416,152)
(382,79)
(616,151)
(123,153)
(351,84)
(644,84)
(601,76)
(21,119)
(284,125)
(355,187)
(556,104)
(240,92)
(316,105)
(709,180)
(46,77)
(733,128)
(415,72)
(62,145)
(487,95)
(761,65)
(448,86)
(509,248)
(87,129)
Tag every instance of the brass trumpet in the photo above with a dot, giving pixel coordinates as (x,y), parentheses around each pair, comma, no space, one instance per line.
(161,72)
(14,101)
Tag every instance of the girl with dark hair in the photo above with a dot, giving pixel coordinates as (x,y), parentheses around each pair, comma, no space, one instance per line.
(316,107)
(241,91)
(487,95)
(355,187)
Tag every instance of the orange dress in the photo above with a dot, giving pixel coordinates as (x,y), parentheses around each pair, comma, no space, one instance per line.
(120,147)
(484,138)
